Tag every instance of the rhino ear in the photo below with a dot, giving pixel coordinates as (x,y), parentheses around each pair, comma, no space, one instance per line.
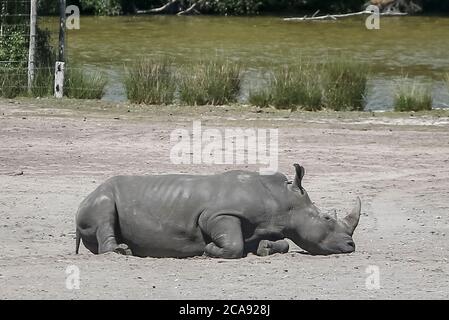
(352,219)
(334,214)
(297,183)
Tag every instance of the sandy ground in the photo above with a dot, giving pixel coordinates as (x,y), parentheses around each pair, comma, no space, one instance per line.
(397,164)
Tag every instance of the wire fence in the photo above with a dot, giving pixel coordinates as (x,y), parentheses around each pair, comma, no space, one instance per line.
(15,36)
(14,33)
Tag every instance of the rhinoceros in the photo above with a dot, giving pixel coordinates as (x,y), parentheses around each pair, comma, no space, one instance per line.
(225,215)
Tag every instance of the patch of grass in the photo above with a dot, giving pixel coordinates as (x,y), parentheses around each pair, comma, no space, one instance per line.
(151,82)
(412,97)
(214,82)
(292,87)
(79,84)
(43,85)
(260,98)
(344,83)
(13,82)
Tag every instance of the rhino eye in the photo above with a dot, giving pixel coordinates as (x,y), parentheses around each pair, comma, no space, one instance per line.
(327,218)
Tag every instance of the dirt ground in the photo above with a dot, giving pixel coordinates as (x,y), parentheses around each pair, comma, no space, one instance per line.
(52,154)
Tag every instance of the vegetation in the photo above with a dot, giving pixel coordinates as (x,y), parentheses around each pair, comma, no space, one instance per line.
(260,98)
(80,84)
(151,82)
(412,97)
(14,61)
(227,7)
(14,52)
(336,85)
(213,82)
(294,86)
(12,82)
(344,84)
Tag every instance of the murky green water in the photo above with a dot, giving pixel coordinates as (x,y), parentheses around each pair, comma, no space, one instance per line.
(416,46)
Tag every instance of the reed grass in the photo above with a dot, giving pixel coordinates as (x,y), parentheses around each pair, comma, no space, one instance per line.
(151,82)
(213,82)
(13,82)
(80,84)
(344,85)
(291,87)
(412,97)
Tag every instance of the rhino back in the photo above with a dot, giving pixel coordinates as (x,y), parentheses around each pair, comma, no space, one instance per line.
(161,214)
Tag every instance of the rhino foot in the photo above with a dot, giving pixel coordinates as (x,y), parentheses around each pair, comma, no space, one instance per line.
(267,247)
(123,249)
(264,248)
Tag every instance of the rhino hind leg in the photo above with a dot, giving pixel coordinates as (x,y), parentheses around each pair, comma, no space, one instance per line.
(227,239)
(97,223)
(267,247)
(107,241)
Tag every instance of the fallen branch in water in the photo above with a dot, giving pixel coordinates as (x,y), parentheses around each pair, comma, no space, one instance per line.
(160,9)
(189,9)
(340,16)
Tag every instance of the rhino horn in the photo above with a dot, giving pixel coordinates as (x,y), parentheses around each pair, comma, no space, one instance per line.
(352,219)
(300,171)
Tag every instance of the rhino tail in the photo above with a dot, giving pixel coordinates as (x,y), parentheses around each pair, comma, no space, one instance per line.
(78,240)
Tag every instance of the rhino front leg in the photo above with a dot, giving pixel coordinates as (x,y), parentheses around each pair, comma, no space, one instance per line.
(267,247)
(227,239)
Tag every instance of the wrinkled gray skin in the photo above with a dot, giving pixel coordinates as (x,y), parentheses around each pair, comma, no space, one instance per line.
(226,215)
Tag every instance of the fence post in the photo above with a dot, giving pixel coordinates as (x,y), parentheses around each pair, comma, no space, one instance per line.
(59,68)
(32,44)
(59,79)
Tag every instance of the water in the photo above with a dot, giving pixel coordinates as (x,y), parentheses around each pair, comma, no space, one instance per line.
(413,46)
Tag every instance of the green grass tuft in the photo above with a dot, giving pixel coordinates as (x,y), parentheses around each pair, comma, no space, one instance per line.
(344,84)
(79,84)
(213,82)
(260,98)
(291,87)
(411,97)
(13,82)
(151,82)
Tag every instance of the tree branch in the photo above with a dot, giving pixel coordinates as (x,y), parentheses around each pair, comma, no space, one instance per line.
(160,9)
(346,15)
(189,9)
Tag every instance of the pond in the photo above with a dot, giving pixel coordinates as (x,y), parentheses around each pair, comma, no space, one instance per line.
(414,46)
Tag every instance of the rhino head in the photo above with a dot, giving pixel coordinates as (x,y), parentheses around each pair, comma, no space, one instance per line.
(316,232)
